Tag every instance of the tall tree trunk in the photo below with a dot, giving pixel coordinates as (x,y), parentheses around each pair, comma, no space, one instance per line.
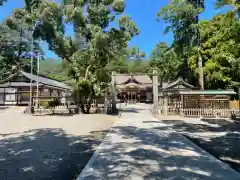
(201,74)
(88,106)
(82,107)
(201,78)
(78,98)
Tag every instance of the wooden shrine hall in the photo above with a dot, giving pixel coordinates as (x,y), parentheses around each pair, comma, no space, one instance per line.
(134,88)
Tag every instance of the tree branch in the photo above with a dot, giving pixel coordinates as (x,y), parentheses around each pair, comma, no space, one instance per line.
(87,70)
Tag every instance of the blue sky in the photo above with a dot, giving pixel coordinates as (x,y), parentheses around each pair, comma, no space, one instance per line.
(142,12)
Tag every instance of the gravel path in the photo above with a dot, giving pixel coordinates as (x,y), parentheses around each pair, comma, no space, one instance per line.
(48,147)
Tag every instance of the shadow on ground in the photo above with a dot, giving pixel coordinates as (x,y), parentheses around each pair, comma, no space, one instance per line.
(129,109)
(2,109)
(151,154)
(44,154)
(219,137)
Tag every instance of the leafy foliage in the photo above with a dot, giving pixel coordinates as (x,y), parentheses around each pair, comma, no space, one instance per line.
(215,42)
(235,4)
(53,104)
(2,2)
(95,44)
(181,15)
(220,47)
(15,48)
(99,44)
(165,62)
(54,69)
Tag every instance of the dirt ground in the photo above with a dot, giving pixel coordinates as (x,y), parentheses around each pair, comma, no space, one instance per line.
(48,147)
(219,137)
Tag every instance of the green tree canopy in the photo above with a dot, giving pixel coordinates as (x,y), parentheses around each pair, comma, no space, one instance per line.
(181,17)
(15,50)
(164,60)
(220,47)
(95,43)
(2,2)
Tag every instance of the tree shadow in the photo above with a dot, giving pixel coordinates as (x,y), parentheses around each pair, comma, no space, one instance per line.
(56,114)
(151,154)
(3,108)
(219,137)
(129,110)
(45,154)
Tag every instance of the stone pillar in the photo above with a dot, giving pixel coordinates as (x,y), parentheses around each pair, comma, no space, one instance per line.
(155,93)
(113,89)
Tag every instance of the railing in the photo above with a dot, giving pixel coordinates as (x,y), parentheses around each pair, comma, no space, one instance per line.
(96,105)
(207,112)
(234,104)
(197,112)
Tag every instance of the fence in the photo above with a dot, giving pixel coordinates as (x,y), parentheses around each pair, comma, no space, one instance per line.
(234,104)
(197,112)
(97,106)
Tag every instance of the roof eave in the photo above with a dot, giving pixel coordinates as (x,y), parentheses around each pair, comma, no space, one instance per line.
(174,83)
(58,87)
(10,77)
(207,92)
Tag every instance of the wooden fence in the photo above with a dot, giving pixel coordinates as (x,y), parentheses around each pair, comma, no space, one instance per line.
(197,112)
(96,106)
(234,104)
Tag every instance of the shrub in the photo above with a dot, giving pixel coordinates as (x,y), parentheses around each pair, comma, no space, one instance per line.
(43,104)
(52,104)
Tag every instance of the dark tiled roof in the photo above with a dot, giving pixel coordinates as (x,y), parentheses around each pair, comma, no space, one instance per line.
(18,84)
(174,83)
(42,81)
(132,85)
(46,81)
(208,92)
(142,79)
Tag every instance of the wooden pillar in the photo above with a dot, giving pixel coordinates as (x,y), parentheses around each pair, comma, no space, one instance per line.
(165,104)
(106,101)
(114,108)
(155,92)
(4,96)
(50,92)
(181,105)
(17,96)
(239,98)
(229,114)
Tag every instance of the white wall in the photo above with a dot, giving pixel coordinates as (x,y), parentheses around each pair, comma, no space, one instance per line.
(10,98)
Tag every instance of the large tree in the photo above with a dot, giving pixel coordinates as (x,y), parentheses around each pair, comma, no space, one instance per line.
(133,61)
(95,42)
(165,62)
(15,49)
(220,49)
(182,17)
(54,69)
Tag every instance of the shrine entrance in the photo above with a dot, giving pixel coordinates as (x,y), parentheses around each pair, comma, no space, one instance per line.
(132,96)
(134,88)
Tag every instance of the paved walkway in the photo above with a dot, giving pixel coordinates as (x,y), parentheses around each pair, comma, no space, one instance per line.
(141,147)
